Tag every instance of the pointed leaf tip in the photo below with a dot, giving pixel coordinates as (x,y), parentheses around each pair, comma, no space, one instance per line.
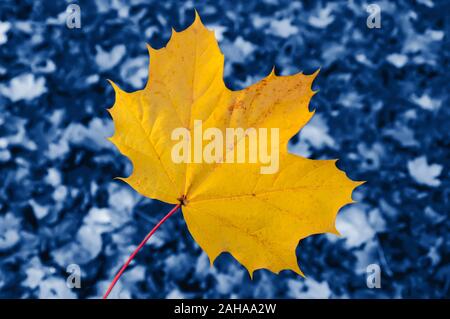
(197,20)
(272,72)
(114,86)
(315,73)
(197,16)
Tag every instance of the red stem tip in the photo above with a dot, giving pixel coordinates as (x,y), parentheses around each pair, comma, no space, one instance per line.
(119,274)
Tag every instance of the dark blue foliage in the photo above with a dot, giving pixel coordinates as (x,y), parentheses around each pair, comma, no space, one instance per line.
(382,109)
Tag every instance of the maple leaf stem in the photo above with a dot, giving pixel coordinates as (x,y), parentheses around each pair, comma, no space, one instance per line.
(119,274)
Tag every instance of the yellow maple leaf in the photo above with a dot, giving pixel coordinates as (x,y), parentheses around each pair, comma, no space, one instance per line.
(258,218)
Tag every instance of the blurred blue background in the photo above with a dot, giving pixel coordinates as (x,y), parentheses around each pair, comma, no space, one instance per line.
(382,109)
